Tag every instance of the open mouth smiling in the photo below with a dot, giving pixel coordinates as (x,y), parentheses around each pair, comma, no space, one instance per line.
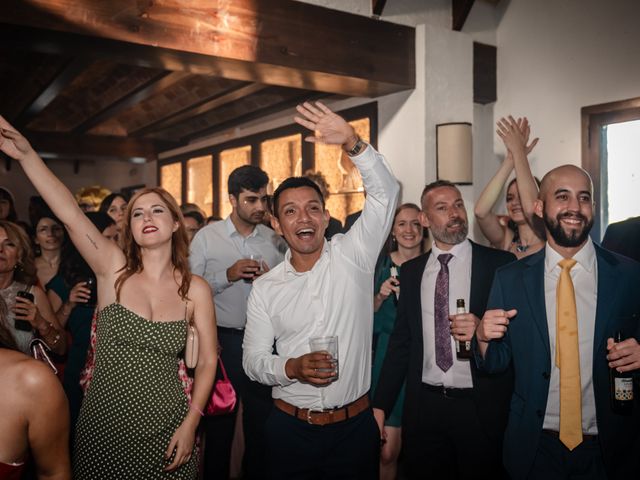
(305,233)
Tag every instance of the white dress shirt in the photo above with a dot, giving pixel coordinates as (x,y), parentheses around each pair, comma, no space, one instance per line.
(334,298)
(218,246)
(584,275)
(459,375)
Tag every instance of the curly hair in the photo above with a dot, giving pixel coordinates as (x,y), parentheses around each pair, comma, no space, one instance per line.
(179,244)
(25,270)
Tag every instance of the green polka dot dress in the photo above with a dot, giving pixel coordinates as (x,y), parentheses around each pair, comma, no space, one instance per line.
(135,401)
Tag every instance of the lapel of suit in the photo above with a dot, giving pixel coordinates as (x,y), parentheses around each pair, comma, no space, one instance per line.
(418,292)
(533,279)
(608,290)
(481,276)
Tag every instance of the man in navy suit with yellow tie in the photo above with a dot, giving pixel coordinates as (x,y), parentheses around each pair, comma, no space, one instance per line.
(553,317)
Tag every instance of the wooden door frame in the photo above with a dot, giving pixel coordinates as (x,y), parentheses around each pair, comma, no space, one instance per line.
(594,118)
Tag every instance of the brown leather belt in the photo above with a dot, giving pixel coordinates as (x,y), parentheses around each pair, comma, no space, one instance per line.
(324,417)
(585,436)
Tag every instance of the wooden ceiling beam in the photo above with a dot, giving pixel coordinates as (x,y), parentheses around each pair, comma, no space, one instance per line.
(279,42)
(259,113)
(64,77)
(459,12)
(157,84)
(194,111)
(99,146)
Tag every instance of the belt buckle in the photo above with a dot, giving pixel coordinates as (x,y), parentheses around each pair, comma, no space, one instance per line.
(311,412)
(444,392)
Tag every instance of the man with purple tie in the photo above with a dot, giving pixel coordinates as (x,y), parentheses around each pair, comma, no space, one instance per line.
(454,416)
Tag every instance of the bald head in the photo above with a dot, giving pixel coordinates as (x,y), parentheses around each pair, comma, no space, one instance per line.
(559,175)
(566,205)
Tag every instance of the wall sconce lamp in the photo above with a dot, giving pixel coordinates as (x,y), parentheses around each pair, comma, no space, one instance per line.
(454,153)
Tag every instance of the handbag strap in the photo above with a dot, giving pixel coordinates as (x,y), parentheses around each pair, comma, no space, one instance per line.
(222,369)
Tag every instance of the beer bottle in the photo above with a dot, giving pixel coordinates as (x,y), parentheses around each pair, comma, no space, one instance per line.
(621,387)
(463,349)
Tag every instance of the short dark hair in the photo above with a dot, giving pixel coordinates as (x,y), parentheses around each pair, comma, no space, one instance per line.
(294,182)
(247,177)
(197,216)
(433,185)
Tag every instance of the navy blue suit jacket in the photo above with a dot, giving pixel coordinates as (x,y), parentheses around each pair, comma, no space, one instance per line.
(525,347)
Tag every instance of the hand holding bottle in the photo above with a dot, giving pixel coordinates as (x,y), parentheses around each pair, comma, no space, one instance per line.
(624,356)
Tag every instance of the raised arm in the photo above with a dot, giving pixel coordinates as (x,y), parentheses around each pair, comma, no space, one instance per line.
(100,253)
(487,219)
(362,243)
(515,135)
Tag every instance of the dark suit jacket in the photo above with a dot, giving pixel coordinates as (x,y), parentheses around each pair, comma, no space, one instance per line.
(526,348)
(404,358)
(624,238)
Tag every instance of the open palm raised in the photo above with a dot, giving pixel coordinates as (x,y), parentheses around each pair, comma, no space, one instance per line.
(327,126)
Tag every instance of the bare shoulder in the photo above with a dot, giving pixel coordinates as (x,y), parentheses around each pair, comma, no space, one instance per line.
(199,287)
(29,376)
(37,378)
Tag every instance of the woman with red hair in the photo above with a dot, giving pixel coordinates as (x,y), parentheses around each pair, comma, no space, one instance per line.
(136,421)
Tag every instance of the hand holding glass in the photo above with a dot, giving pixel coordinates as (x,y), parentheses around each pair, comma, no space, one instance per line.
(256,257)
(329,345)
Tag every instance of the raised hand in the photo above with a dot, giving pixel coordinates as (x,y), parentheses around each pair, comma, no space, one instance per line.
(515,135)
(327,126)
(11,142)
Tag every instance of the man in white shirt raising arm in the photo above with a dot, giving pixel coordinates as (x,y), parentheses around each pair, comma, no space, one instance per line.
(322,426)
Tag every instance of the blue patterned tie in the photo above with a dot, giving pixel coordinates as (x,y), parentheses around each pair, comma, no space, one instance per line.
(444,356)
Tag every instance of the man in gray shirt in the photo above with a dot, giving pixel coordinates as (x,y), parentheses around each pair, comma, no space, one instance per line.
(229,254)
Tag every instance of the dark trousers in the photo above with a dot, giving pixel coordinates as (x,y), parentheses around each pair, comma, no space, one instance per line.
(554,461)
(257,405)
(446,440)
(344,450)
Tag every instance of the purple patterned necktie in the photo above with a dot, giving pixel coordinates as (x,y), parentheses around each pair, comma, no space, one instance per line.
(444,356)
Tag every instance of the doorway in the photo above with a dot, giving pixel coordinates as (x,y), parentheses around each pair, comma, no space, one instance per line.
(611,155)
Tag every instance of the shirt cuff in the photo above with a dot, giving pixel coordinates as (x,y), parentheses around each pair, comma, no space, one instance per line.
(280,372)
(221,281)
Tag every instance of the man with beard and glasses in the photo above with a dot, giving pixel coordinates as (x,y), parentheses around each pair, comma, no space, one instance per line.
(322,426)
(454,415)
(553,319)
(230,254)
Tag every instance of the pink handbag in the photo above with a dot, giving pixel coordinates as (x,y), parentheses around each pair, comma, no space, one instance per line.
(223,396)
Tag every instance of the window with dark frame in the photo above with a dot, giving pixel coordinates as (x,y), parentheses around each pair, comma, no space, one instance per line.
(281,152)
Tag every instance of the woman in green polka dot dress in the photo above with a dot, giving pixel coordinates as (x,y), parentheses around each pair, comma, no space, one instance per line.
(135,422)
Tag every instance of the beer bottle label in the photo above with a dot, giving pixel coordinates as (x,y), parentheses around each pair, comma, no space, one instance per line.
(623,389)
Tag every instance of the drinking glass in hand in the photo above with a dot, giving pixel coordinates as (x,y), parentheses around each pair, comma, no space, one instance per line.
(329,345)
(256,257)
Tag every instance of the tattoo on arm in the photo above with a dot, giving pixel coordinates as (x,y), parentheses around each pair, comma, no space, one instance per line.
(95,245)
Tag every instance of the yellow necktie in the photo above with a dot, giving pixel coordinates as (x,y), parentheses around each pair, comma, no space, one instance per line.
(568,358)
